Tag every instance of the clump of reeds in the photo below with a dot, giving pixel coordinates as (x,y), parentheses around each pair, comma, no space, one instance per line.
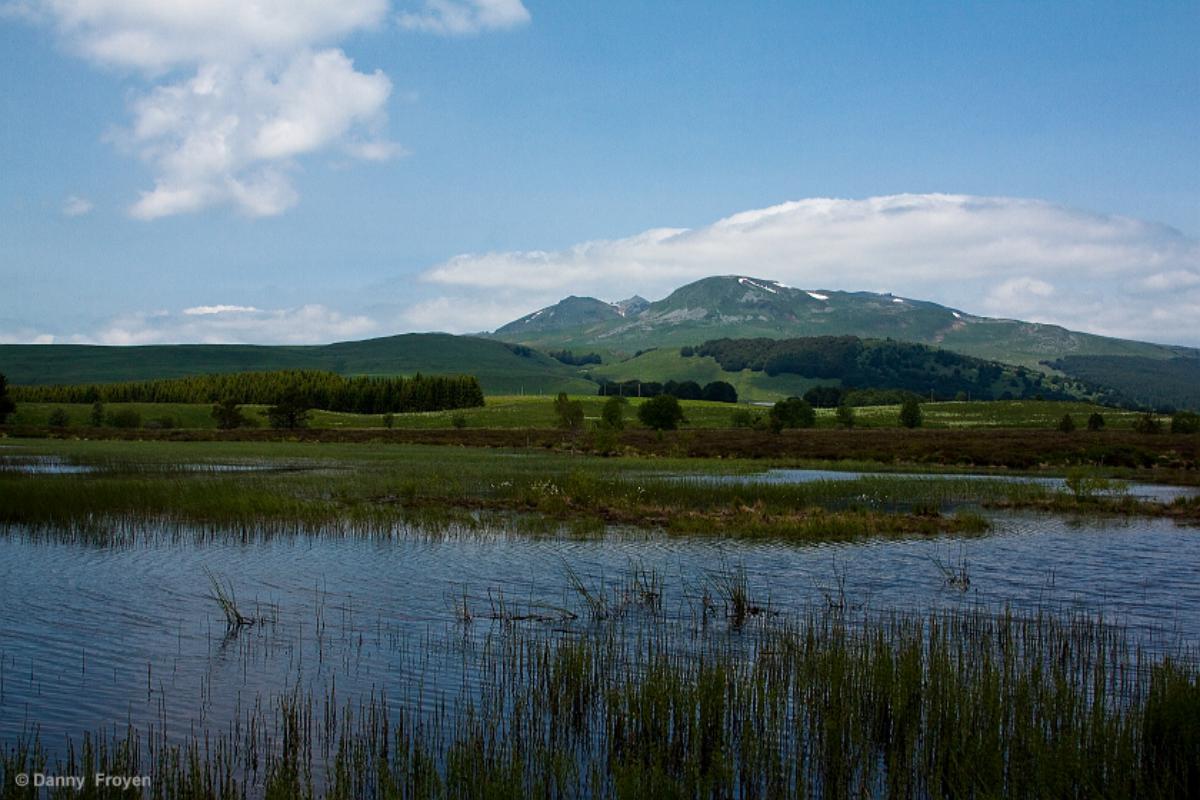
(227,601)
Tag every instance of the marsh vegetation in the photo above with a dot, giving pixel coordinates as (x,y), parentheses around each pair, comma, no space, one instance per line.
(413,621)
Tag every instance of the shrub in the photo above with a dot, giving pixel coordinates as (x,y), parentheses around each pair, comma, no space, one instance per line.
(97,417)
(1095,422)
(612,415)
(58,419)
(164,422)
(1185,422)
(845,416)
(662,413)
(1066,424)
(742,418)
(1147,423)
(792,413)
(228,415)
(910,414)
(568,412)
(125,418)
(389,420)
(459,421)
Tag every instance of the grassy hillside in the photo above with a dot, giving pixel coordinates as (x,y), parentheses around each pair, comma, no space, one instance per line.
(666,364)
(499,368)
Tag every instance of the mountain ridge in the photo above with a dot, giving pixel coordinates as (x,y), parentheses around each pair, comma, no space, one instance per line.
(741,306)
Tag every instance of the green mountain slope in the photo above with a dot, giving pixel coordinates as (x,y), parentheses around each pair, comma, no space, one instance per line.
(501,369)
(1174,383)
(666,364)
(742,307)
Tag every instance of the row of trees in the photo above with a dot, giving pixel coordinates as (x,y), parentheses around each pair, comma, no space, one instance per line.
(573,359)
(660,413)
(798,412)
(309,388)
(716,391)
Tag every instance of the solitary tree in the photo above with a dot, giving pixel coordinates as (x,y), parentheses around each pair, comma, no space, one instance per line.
(845,416)
(97,418)
(290,412)
(1095,422)
(792,413)
(612,415)
(662,413)
(569,412)
(228,415)
(58,419)
(910,413)
(7,406)
(1066,424)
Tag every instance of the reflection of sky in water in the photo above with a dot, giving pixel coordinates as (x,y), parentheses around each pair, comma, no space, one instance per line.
(1145,491)
(94,635)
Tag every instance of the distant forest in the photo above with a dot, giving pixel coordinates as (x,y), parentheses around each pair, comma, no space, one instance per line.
(886,364)
(1162,384)
(310,388)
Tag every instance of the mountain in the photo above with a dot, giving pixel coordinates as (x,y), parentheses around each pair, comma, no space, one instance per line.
(500,368)
(572,314)
(737,306)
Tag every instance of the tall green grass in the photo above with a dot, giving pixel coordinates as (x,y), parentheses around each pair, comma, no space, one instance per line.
(950,704)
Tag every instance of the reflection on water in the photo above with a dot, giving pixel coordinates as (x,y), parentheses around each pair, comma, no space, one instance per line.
(98,635)
(1144,491)
(42,465)
(52,465)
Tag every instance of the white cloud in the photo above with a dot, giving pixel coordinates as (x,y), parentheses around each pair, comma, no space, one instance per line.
(233,324)
(229,134)
(156,36)
(1175,279)
(242,90)
(1017,295)
(218,309)
(465,17)
(25,336)
(1006,256)
(451,315)
(75,206)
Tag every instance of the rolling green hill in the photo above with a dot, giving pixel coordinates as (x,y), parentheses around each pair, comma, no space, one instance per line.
(501,369)
(741,307)
(666,363)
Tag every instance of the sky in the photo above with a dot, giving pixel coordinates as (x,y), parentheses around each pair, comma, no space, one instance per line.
(287,171)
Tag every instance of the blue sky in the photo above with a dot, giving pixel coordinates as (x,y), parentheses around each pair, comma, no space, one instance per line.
(203,173)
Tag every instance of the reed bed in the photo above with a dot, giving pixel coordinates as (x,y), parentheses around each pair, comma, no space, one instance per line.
(949,704)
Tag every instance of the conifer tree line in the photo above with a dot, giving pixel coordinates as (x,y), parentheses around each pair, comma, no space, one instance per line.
(310,388)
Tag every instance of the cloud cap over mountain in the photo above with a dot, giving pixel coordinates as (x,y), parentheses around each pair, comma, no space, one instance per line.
(1011,257)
